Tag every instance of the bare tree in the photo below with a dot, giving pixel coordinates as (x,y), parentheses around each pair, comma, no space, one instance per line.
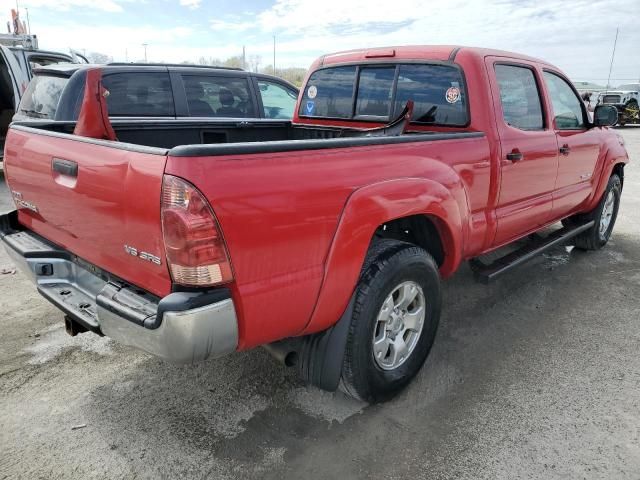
(254,62)
(97,57)
(209,61)
(235,62)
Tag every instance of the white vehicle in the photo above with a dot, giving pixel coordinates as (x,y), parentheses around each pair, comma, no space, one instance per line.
(19,54)
(626,99)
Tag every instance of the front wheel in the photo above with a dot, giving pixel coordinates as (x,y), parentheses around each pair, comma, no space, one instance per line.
(604,215)
(632,111)
(394,321)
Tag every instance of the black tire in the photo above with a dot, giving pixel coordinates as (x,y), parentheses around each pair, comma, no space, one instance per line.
(389,263)
(592,239)
(635,116)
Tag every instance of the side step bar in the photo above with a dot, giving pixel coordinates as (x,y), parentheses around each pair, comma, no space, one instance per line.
(486,273)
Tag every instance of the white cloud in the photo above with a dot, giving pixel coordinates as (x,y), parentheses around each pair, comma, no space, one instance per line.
(191,4)
(577,35)
(231,26)
(63,5)
(115,40)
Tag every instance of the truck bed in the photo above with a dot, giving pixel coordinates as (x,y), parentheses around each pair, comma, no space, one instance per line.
(274,135)
(278,202)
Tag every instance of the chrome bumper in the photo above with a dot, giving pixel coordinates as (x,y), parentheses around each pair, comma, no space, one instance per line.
(180,328)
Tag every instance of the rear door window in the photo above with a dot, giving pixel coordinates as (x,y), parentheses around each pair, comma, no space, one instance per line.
(42,96)
(139,94)
(520,97)
(222,96)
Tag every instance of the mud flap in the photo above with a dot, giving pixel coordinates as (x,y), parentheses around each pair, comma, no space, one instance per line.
(321,355)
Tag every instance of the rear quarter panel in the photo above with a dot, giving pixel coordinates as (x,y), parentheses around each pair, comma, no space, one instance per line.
(279,213)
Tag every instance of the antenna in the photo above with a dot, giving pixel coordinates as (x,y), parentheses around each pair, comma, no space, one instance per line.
(613,54)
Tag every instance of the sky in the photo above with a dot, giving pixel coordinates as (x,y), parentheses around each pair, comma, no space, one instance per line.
(575,35)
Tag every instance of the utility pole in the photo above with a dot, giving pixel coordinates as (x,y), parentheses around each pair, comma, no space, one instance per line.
(145,51)
(274,54)
(244,58)
(28,22)
(613,54)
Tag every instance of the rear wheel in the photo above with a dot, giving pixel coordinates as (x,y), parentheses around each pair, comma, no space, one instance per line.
(394,321)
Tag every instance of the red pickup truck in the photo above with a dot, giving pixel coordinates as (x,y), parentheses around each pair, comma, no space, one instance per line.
(324,239)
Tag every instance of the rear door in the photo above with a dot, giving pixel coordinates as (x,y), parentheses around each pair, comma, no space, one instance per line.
(579,146)
(529,158)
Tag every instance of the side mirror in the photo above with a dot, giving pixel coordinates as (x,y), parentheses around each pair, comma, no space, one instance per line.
(605,116)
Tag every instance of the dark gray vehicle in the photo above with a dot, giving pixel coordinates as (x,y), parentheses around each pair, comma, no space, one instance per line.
(159,91)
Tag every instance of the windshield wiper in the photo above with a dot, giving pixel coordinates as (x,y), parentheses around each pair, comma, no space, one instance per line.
(34,113)
(429,116)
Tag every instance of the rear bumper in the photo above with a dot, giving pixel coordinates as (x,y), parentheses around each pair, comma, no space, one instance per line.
(181,327)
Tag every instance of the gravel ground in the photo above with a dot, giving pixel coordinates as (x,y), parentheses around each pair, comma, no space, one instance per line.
(535,376)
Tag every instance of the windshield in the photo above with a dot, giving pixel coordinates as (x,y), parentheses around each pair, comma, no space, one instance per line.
(41,98)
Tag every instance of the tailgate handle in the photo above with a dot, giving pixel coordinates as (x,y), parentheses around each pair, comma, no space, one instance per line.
(65,167)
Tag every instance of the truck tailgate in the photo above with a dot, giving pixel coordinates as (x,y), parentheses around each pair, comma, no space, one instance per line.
(93,198)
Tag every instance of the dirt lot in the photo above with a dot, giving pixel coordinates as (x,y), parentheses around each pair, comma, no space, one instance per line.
(536,376)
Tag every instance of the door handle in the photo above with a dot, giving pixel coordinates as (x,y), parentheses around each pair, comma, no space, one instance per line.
(65,167)
(565,149)
(515,155)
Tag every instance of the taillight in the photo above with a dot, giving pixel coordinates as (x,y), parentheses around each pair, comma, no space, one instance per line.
(196,252)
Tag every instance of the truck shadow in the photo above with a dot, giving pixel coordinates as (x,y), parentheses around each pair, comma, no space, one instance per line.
(250,412)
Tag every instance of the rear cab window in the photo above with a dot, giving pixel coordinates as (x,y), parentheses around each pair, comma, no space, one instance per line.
(42,96)
(380,92)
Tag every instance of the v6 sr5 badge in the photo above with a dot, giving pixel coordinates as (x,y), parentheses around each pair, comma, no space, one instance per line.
(134,252)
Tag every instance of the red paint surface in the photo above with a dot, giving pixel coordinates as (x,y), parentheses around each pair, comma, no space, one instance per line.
(93,119)
(115,200)
(298,224)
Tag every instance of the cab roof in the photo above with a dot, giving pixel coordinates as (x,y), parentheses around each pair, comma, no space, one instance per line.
(69,69)
(416,52)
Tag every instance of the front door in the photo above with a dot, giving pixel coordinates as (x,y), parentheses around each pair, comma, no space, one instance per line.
(529,158)
(578,145)
(15,75)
